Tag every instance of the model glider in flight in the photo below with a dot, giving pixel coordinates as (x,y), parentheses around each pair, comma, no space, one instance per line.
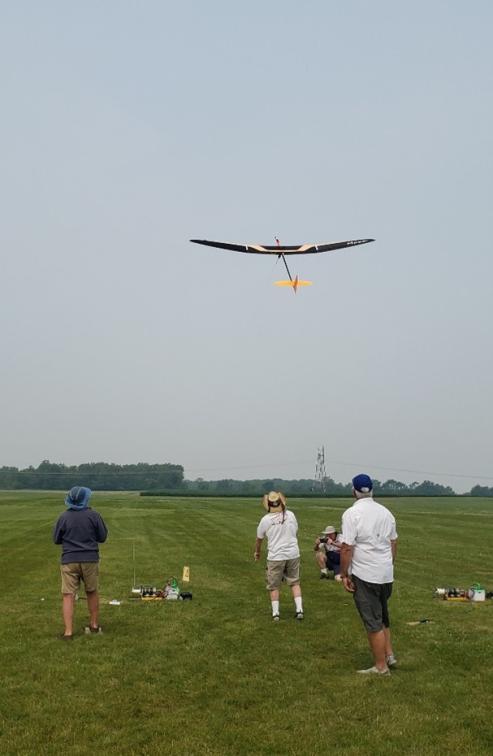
(282,251)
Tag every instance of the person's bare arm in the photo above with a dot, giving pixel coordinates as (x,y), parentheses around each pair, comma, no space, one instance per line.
(346,558)
(393,546)
(258,549)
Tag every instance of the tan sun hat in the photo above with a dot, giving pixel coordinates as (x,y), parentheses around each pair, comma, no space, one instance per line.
(329,529)
(274,501)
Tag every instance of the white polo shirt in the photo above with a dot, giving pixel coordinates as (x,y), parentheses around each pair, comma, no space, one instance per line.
(280,531)
(369,528)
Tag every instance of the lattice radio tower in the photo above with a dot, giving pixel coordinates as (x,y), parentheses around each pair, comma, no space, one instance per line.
(320,471)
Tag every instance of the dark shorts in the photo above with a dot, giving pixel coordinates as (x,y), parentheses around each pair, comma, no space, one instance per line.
(333,561)
(371,602)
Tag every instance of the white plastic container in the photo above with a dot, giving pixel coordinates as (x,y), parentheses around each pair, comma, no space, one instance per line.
(479,595)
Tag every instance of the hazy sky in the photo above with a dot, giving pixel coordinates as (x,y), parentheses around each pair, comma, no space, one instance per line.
(128,128)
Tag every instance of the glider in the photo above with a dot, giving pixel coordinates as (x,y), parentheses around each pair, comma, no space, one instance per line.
(281,251)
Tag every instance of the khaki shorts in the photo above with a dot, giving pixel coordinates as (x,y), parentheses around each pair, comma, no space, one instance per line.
(287,568)
(74,572)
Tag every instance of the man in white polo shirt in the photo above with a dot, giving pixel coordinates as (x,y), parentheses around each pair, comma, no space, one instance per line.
(369,542)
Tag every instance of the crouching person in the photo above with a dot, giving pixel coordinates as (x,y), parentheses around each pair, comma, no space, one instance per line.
(280,528)
(79,531)
(328,553)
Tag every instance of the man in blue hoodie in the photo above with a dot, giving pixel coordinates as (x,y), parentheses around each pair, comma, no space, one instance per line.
(79,530)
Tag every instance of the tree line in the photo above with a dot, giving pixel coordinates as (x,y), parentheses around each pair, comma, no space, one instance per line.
(99,476)
(169,478)
(310,487)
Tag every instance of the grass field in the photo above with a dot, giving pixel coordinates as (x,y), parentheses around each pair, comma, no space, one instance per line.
(214,675)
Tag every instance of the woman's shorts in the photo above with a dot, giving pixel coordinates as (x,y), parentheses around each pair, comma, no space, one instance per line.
(289,569)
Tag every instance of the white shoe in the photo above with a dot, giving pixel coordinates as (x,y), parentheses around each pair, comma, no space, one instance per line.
(338,578)
(276,617)
(374,671)
(391,661)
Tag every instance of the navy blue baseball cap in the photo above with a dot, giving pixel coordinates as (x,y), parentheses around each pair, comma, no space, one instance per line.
(78,497)
(362,483)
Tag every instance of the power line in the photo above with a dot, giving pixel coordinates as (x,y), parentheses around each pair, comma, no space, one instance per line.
(359,465)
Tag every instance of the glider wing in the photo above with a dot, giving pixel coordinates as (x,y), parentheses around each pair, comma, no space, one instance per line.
(224,245)
(308,249)
(267,249)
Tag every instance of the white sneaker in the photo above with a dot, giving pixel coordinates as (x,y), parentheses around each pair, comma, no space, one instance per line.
(374,671)
(276,617)
(391,661)
(338,578)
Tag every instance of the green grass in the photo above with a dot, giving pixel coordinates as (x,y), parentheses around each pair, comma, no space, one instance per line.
(214,675)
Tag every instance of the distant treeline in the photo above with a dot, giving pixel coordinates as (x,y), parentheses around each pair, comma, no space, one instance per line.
(307,487)
(482,491)
(168,478)
(100,476)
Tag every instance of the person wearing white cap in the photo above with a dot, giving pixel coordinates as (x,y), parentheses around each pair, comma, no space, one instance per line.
(369,544)
(280,528)
(327,549)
